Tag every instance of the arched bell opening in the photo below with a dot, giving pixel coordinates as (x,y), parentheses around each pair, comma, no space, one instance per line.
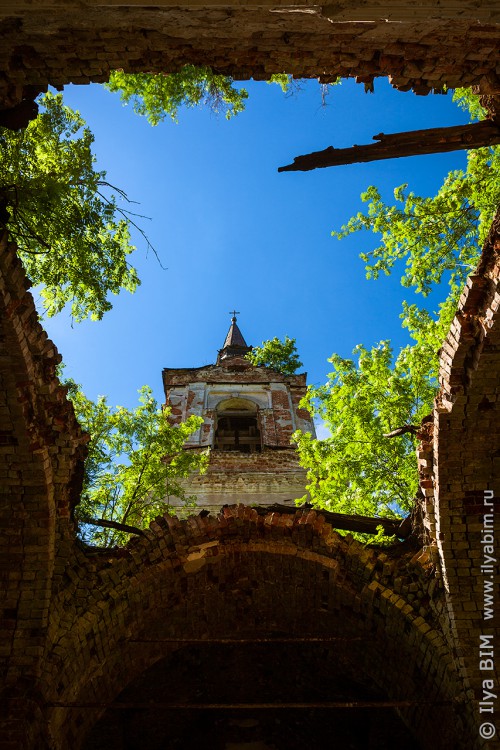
(237,426)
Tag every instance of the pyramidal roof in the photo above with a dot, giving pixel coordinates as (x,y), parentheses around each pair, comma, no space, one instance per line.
(234,336)
(234,345)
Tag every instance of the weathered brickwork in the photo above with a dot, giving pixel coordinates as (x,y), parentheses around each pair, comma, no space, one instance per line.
(269,472)
(420,45)
(460,475)
(261,479)
(237,574)
(41,463)
(77,627)
(200,391)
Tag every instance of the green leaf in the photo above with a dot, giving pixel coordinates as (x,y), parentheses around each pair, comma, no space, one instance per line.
(357,469)
(436,237)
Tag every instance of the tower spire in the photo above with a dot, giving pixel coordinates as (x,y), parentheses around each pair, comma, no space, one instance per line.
(234,345)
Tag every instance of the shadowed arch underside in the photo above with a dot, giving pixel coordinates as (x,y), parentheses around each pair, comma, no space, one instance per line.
(262,590)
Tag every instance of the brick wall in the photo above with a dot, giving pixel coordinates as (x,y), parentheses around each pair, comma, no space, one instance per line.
(421,45)
(460,469)
(271,476)
(41,464)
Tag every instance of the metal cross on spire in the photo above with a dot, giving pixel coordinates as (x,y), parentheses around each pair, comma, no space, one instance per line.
(234,313)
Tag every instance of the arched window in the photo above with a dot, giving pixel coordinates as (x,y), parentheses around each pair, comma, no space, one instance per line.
(237,427)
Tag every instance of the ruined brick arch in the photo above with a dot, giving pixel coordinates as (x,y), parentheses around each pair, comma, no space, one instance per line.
(241,575)
(421,46)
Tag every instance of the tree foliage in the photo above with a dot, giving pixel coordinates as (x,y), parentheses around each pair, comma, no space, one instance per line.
(158,95)
(63,214)
(433,235)
(134,465)
(471,103)
(358,469)
(278,355)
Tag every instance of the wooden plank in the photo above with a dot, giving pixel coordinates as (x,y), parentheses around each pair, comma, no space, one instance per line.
(254,639)
(345,522)
(397,145)
(162,705)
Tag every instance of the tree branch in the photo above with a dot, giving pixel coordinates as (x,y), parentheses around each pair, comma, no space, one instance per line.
(402,430)
(112,525)
(361,524)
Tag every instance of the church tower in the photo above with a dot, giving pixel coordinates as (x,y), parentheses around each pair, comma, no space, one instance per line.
(249,416)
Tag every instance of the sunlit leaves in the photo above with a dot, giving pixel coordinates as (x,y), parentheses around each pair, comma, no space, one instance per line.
(434,236)
(64,215)
(278,355)
(135,462)
(357,469)
(470,103)
(158,95)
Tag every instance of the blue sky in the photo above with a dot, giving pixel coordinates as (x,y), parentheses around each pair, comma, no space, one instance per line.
(233,233)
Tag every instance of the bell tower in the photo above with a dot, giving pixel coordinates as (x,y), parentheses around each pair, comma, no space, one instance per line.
(249,416)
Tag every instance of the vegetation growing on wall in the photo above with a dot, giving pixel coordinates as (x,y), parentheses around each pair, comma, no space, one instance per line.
(157,96)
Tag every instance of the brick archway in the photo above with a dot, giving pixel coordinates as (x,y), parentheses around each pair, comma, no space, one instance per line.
(72,620)
(243,575)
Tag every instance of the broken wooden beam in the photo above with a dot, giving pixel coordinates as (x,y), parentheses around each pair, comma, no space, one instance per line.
(397,145)
(345,522)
